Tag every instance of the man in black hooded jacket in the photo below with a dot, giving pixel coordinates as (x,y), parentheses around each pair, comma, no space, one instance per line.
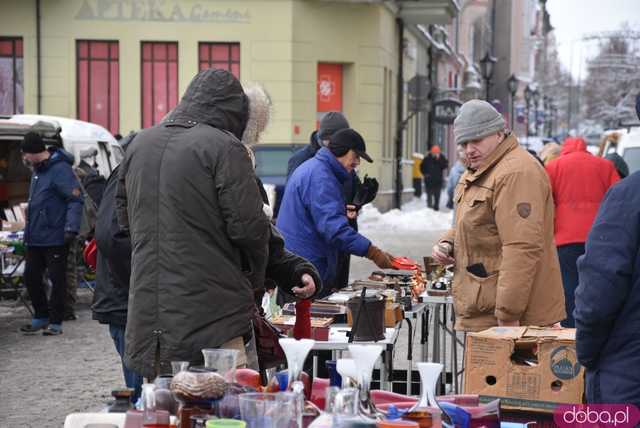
(200,239)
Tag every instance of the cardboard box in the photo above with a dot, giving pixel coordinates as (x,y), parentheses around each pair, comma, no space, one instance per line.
(393,314)
(528,368)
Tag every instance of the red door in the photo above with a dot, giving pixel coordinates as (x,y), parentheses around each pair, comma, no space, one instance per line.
(329,89)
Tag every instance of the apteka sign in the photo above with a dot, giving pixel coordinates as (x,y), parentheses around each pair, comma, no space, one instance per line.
(158,11)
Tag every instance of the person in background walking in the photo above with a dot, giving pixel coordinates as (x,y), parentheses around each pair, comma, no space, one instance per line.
(455,174)
(579,181)
(53,220)
(416,174)
(608,296)
(432,167)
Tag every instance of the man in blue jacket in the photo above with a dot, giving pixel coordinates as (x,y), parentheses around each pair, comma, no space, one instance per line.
(53,220)
(313,217)
(608,297)
(331,123)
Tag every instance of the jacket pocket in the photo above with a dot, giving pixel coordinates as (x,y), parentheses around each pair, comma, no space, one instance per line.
(476,295)
(479,210)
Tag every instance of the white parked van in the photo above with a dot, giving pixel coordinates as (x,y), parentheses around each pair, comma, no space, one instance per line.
(86,141)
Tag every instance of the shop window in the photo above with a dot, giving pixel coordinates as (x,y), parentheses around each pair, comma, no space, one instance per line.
(98,83)
(159,80)
(11,76)
(219,55)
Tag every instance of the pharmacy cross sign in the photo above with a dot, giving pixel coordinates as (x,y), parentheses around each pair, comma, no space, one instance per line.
(326,87)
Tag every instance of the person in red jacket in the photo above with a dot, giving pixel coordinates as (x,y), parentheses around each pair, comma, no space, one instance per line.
(579,182)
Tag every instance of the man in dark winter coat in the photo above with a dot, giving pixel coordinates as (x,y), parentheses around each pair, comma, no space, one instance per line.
(313,218)
(188,196)
(93,186)
(53,220)
(432,167)
(331,122)
(607,299)
(112,274)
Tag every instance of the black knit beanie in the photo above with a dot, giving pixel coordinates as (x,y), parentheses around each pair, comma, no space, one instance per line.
(32,143)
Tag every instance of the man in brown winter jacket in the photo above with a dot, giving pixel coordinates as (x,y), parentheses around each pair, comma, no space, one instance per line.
(506,265)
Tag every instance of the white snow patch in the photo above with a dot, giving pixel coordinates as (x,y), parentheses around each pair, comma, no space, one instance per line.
(414,216)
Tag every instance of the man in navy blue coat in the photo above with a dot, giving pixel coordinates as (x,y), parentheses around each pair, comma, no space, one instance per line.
(313,217)
(607,311)
(53,219)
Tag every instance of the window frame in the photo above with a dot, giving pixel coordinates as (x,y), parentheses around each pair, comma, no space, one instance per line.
(14,59)
(109,61)
(167,61)
(230,61)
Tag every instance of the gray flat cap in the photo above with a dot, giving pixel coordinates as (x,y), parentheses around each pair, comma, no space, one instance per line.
(476,119)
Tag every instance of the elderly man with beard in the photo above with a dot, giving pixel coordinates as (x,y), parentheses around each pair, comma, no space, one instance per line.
(506,265)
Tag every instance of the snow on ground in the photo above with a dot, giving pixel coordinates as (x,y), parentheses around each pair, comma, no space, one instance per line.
(414,216)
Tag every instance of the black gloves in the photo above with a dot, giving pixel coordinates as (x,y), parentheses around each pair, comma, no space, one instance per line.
(366,192)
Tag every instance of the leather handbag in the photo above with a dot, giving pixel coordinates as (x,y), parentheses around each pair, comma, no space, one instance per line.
(270,353)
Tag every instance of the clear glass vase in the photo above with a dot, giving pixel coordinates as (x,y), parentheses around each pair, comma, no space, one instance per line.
(223,361)
(364,358)
(296,352)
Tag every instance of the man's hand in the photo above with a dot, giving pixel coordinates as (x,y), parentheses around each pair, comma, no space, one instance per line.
(380,258)
(515,323)
(442,253)
(352,211)
(308,288)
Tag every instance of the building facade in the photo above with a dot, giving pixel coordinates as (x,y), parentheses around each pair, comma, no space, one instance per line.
(125,63)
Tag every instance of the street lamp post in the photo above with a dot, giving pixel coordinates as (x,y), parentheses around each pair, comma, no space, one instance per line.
(547,115)
(512,85)
(528,95)
(536,103)
(486,68)
(554,117)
